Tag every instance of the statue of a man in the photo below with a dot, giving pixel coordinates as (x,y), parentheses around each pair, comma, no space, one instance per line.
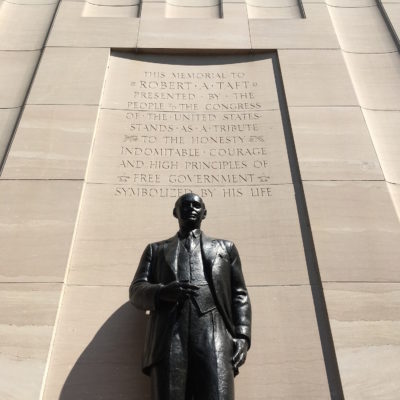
(200,314)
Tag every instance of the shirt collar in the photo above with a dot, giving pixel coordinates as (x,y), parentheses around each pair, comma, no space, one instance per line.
(194,233)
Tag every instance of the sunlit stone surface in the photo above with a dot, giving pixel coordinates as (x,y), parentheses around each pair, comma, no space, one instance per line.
(283,115)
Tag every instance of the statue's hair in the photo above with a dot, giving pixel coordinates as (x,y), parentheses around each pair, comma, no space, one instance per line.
(187,195)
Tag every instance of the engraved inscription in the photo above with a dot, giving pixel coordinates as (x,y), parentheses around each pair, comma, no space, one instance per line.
(195,128)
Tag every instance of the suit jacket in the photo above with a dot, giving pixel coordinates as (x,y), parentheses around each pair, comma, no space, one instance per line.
(159,265)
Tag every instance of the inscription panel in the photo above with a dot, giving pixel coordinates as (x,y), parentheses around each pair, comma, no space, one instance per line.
(209,125)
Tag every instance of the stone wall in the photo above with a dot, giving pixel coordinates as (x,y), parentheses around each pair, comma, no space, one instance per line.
(282,114)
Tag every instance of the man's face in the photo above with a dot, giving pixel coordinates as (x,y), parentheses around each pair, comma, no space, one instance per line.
(190,210)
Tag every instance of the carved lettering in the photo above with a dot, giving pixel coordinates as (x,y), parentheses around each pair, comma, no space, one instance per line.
(186,130)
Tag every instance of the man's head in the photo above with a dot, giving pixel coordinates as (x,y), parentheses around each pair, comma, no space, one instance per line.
(190,211)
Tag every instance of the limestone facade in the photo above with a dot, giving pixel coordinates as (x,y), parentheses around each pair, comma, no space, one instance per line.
(282,114)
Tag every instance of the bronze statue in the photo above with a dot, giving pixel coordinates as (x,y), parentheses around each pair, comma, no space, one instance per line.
(198,333)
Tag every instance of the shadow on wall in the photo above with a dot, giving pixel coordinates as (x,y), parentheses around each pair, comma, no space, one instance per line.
(110,366)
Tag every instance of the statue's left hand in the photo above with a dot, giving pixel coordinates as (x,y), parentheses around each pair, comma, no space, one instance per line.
(240,352)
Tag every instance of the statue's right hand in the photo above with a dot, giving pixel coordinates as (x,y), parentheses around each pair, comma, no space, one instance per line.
(177,291)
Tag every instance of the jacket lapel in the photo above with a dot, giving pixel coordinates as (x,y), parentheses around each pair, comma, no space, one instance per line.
(171,254)
(210,248)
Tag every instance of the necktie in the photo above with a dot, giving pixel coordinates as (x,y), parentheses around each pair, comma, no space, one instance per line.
(189,242)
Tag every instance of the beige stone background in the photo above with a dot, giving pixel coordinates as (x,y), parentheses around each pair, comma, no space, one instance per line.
(326,307)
